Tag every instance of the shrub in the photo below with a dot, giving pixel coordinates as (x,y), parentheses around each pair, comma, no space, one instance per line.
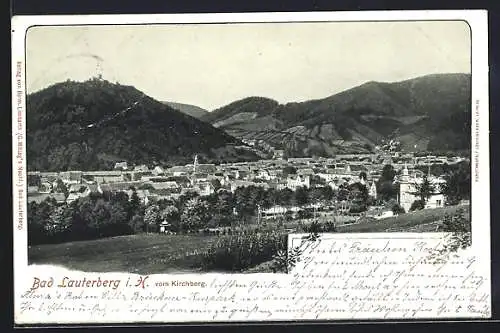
(417,205)
(397,209)
(357,208)
(316,227)
(240,252)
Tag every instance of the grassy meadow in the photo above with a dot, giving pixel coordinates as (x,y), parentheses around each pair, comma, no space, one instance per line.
(160,253)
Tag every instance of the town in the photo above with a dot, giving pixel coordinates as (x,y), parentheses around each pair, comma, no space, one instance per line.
(348,171)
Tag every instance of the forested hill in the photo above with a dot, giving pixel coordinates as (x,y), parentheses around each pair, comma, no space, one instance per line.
(426,113)
(93,124)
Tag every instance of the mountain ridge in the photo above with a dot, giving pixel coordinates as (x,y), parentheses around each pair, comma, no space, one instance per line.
(359,118)
(93,124)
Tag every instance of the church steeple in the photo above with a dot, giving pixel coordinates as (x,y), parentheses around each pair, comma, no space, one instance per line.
(406,176)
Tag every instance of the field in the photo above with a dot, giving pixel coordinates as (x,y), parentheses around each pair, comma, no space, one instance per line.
(414,221)
(155,253)
(142,253)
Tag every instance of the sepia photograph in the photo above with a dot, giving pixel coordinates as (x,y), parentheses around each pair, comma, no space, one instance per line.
(194,148)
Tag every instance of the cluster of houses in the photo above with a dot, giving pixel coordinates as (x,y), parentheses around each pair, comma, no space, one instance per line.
(156,183)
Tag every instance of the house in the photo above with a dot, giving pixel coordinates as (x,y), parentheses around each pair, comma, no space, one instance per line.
(71,177)
(105,176)
(45,187)
(204,189)
(242,174)
(242,183)
(199,177)
(77,188)
(263,174)
(168,185)
(180,180)
(121,166)
(158,170)
(305,172)
(141,168)
(408,187)
(77,191)
(60,198)
(206,168)
(296,181)
(179,170)
(340,172)
(143,195)
(38,197)
(278,184)
(278,154)
(72,197)
(118,186)
(274,211)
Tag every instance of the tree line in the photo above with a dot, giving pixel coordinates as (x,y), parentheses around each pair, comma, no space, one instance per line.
(111,214)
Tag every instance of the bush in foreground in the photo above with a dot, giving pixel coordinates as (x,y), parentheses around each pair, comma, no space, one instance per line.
(238,253)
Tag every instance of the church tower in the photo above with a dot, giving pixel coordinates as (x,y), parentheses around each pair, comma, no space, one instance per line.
(406,188)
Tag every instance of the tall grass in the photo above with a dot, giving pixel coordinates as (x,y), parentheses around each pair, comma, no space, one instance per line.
(240,252)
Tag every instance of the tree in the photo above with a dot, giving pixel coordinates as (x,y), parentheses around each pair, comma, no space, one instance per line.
(317,194)
(224,204)
(170,214)
(343,192)
(386,189)
(417,205)
(359,194)
(118,221)
(60,221)
(289,170)
(61,188)
(458,184)
(195,214)
(151,217)
(424,190)
(101,216)
(285,197)
(36,231)
(137,223)
(301,196)
(388,173)
(363,176)
(317,181)
(216,184)
(185,198)
(397,209)
(34,180)
(134,206)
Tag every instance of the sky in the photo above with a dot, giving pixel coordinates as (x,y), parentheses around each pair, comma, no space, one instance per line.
(211,65)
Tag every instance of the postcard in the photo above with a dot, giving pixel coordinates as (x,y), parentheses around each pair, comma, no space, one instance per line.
(257,167)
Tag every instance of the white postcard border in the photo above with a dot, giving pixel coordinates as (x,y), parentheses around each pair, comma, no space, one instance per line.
(477,20)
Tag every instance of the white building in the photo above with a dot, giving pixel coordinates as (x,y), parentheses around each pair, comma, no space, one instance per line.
(372,191)
(408,187)
(121,165)
(295,181)
(158,170)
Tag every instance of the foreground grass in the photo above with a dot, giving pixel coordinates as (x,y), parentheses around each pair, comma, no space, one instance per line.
(405,222)
(142,253)
(155,253)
